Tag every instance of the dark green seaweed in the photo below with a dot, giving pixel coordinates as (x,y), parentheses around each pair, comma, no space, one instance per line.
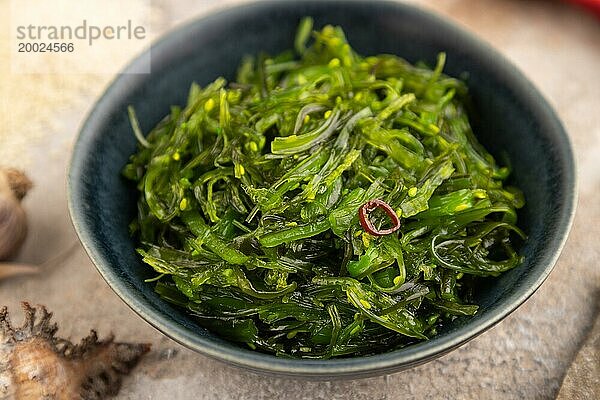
(249,200)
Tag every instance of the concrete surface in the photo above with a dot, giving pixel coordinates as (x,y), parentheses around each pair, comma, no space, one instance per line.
(558,48)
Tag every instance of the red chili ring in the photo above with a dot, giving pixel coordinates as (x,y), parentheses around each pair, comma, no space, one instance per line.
(370,206)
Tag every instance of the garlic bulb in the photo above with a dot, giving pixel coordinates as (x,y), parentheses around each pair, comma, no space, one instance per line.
(13,222)
(35,364)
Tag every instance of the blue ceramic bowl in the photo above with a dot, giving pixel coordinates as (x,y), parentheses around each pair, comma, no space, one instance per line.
(511,119)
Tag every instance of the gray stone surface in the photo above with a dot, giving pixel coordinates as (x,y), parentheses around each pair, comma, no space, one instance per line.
(582,380)
(558,48)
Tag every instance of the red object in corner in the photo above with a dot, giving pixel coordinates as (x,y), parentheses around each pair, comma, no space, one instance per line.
(591,5)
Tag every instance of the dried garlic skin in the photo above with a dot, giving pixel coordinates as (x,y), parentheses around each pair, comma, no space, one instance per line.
(35,364)
(14,185)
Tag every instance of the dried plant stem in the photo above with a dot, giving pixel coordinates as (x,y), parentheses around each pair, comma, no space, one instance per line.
(12,269)
(8,269)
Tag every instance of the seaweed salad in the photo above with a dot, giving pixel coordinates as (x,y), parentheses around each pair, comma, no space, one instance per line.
(323,204)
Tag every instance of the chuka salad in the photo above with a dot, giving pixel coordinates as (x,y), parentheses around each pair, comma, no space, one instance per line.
(324,204)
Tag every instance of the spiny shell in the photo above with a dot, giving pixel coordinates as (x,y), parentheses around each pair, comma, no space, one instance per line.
(35,364)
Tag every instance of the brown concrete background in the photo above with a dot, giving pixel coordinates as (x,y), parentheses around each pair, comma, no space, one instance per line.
(557,46)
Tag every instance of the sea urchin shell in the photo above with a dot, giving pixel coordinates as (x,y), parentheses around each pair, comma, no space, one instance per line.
(35,364)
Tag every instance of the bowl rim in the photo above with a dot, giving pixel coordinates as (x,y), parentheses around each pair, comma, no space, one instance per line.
(347,367)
